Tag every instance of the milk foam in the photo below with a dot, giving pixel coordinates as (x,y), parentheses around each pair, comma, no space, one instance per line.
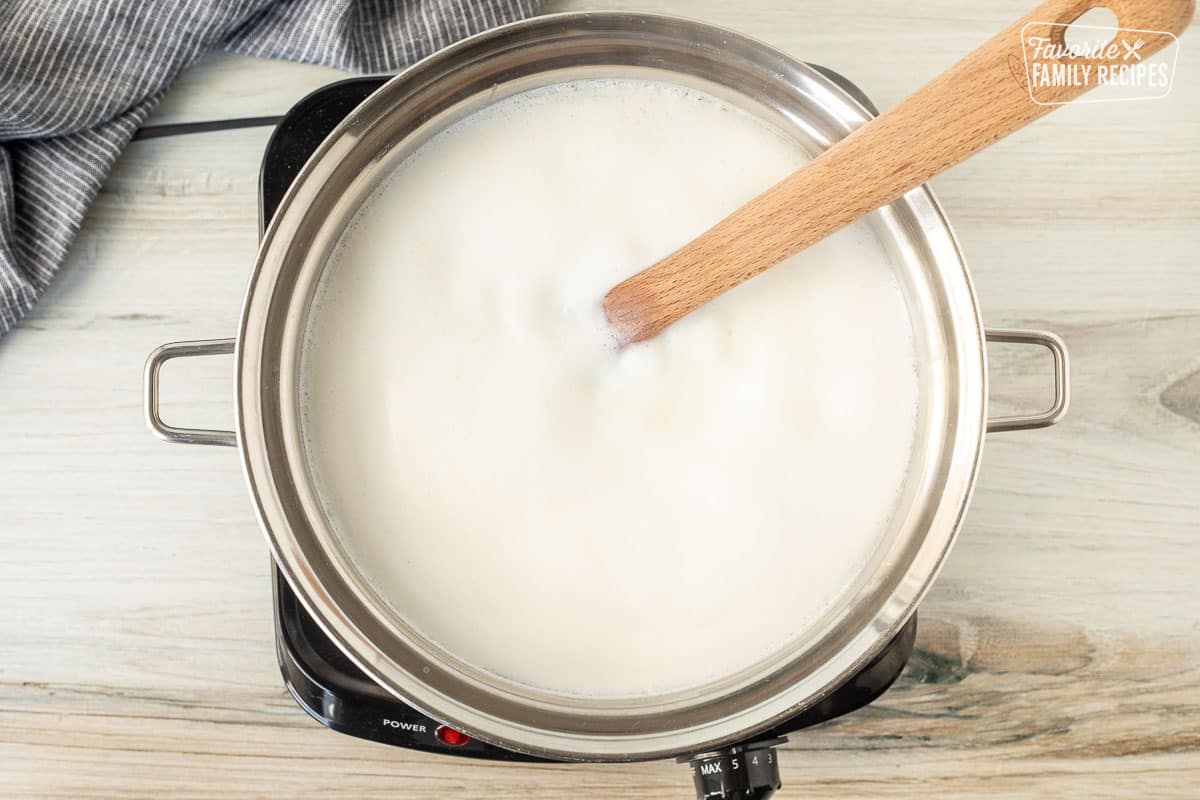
(563,513)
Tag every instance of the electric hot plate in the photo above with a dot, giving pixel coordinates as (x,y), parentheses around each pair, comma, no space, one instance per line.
(327,685)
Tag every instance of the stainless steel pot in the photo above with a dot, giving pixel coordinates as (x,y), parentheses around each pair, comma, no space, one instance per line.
(390,125)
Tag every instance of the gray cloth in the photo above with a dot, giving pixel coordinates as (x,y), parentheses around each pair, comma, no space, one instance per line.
(77,78)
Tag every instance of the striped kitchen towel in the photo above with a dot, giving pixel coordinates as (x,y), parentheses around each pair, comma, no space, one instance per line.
(77,79)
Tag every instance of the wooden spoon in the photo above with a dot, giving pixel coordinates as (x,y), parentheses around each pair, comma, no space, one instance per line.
(979,100)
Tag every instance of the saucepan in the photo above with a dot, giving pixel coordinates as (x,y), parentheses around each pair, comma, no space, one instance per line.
(952,364)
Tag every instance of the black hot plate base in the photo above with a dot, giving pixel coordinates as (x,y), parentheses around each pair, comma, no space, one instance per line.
(328,685)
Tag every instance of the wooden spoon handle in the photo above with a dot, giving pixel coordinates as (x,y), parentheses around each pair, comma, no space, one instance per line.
(976,102)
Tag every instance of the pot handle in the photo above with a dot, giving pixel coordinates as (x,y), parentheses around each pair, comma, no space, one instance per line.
(160,356)
(1062,380)
(213,347)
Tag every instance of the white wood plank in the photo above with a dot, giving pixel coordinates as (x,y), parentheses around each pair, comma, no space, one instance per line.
(1058,653)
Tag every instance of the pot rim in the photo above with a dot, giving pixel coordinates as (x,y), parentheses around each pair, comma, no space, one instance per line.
(262,383)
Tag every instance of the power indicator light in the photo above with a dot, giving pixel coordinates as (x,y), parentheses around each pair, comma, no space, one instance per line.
(449,736)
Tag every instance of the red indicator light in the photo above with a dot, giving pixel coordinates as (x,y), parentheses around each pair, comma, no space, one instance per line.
(447,735)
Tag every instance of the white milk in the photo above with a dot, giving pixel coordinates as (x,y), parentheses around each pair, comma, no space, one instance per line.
(569,515)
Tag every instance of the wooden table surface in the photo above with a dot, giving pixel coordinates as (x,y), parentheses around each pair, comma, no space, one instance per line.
(1059,652)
